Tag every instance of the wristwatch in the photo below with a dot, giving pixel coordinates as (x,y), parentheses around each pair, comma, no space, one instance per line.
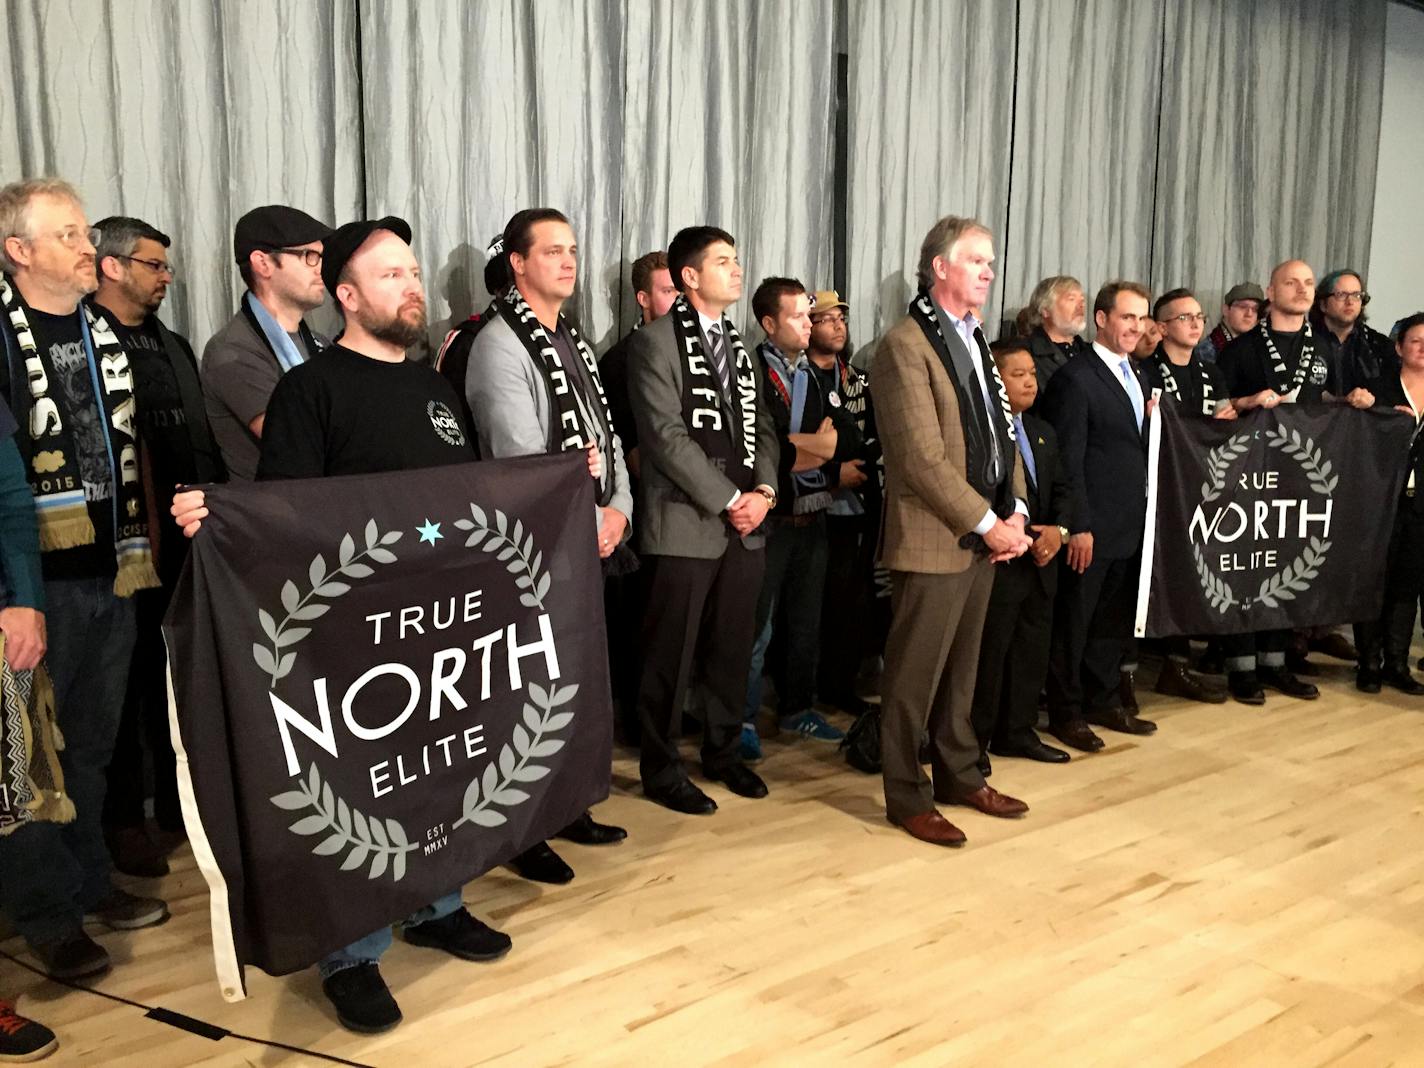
(770,496)
(1063,533)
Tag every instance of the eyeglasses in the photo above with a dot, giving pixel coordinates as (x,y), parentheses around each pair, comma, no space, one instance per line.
(1252,306)
(71,236)
(830,317)
(1185,318)
(310,256)
(156,266)
(1352,298)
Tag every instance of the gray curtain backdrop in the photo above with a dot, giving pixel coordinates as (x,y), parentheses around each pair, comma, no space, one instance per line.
(931,110)
(1268,146)
(1085,134)
(185,115)
(1194,143)
(729,120)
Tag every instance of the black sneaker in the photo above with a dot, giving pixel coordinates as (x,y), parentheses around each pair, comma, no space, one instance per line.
(21,1039)
(121,911)
(362,999)
(460,935)
(71,958)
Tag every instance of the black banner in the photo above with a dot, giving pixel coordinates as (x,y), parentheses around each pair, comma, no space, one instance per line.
(1279,519)
(383,687)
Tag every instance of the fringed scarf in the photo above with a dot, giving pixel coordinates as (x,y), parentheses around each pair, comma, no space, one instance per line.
(31,782)
(49,449)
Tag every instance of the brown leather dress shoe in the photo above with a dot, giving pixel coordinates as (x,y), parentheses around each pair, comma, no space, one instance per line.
(931,827)
(992,803)
(1076,733)
(1120,719)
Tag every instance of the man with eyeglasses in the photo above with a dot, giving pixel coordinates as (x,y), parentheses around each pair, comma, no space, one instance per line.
(278,251)
(66,377)
(1356,353)
(1240,312)
(134,273)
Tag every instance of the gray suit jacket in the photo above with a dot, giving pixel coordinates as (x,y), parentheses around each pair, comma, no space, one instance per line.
(510,402)
(683,492)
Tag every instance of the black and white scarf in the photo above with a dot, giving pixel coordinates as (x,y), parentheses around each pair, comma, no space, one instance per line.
(570,423)
(1168,370)
(1288,381)
(50,453)
(733,448)
(978,450)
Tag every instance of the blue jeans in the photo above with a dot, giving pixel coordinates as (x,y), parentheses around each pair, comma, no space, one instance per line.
(368,950)
(51,873)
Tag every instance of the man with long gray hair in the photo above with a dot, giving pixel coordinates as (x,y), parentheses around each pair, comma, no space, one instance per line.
(1052,322)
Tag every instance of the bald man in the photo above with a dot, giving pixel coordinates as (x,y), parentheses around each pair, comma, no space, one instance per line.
(1280,361)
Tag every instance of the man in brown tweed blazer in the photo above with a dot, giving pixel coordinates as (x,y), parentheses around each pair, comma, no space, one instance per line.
(954,506)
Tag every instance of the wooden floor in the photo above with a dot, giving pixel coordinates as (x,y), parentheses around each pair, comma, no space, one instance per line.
(1246,887)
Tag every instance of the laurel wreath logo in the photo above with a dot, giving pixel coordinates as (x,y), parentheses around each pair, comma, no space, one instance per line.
(1297,576)
(301,608)
(385,842)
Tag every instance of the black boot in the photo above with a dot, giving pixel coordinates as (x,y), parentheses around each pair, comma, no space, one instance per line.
(1396,674)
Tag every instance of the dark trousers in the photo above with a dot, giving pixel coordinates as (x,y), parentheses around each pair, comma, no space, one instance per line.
(51,873)
(1013,657)
(1388,637)
(706,608)
(931,659)
(143,727)
(790,599)
(623,602)
(847,611)
(1264,648)
(1092,636)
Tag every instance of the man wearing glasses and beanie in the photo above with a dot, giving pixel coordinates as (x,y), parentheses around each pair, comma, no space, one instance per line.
(278,251)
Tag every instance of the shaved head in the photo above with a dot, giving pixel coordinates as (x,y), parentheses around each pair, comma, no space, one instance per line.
(1292,290)
(1289,266)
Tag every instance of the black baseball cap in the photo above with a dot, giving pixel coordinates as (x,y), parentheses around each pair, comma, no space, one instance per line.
(343,242)
(275,226)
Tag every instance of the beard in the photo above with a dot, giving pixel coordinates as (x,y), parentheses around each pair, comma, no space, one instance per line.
(1069,326)
(405,328)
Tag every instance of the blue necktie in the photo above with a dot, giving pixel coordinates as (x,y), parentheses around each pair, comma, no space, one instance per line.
(1133,393)
(1025,451)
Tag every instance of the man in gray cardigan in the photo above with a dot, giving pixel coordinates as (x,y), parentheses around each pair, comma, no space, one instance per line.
(532,385)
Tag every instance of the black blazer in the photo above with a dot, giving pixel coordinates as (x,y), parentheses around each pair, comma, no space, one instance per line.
(1104,453)
(1050,495)
(1389,393)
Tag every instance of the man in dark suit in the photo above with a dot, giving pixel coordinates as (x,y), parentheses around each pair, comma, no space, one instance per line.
(708,463)
(1099,405)
(953,507)
(1013,653)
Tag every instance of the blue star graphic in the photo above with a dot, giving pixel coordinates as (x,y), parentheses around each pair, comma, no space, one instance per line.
(429,532)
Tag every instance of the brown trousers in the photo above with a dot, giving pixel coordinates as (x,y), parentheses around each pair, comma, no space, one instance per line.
(931,660)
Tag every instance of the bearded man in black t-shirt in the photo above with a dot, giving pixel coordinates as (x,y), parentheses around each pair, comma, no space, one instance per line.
(1281,361)
(361,407)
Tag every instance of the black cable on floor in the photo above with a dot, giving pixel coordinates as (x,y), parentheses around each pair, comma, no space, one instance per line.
(184,1023)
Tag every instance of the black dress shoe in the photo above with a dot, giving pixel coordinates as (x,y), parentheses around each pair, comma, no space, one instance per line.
(588,831)
(1399,678)
(1121,720)
(540,864)
(1076,734)
(1368,680)
(1045,754)
(1246,688)
(460,935)
(682,797)
(1174,680)
(362,1000)
(1297,664)
(1282,680)
(739,778)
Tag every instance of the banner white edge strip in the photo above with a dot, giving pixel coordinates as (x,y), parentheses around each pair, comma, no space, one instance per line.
(229,970)
(1149,531)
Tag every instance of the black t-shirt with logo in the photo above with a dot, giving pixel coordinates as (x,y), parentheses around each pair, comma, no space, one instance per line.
(1248,367)
(341,413)
(71,387)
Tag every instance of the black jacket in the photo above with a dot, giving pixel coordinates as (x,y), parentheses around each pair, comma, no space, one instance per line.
(818,406)
(1389,393)
(1365,356)
(1104,453)
(1049,357)
(1050,495)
